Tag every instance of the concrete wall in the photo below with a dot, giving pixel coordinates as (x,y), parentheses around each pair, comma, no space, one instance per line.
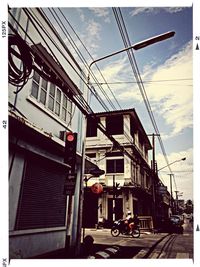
(24,245)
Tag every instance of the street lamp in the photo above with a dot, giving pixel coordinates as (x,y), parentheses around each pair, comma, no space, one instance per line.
(171,163)
(171,174)
(136,46)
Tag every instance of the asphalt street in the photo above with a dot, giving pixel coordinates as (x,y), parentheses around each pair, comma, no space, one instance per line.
(148,245)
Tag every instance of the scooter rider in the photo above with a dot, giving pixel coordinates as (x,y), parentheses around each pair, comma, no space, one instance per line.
(128,221)
(131,221)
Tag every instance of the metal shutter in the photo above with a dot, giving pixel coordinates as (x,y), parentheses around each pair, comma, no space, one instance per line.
(42,202)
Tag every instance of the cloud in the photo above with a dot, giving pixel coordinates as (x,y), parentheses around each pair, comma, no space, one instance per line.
(172,99)
(101,12)
(93,29)
(155,10)
(81,14)
(175,101)
(90,37)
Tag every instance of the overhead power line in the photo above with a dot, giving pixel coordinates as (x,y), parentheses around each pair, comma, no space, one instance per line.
(127,43)
(150,81)
(78,100)
(93,91)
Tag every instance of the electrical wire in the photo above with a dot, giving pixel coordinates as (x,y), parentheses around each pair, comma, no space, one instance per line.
(126,40)
(155,81)
(19,76)
(90,57)
(76,49)
(72,43)
(77,100)
(85,63)
(81,101)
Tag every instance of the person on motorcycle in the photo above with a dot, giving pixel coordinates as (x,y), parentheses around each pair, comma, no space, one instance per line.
(128,221)
(131,221)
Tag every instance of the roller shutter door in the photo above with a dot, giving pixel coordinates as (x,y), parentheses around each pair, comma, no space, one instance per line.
(42,203)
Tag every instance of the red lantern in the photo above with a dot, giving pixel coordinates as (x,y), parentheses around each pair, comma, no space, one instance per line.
(97,188)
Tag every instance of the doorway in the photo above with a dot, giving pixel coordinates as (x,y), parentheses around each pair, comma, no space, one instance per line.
(118,209)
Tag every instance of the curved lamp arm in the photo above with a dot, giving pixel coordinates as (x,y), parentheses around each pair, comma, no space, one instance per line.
(171,163)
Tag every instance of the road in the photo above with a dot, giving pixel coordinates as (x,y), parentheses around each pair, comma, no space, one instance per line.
(149,245)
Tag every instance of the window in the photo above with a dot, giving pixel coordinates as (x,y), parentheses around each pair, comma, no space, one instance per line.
(58,101)
(52,92)
(115,165)
(66,108)
(91,128)
(43,92)
(51,97)
(35,85)
(115,125)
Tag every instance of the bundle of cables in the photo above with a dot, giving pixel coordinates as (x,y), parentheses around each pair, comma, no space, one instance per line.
(20,61)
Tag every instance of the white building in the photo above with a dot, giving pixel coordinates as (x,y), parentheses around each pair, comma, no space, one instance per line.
(42,218)
(132,173)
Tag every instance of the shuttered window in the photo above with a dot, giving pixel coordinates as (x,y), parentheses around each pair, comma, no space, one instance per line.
(42,203)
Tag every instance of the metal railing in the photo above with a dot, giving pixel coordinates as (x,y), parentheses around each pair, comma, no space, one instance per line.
(146,223)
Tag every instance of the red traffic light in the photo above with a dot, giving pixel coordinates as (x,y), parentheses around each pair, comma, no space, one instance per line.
(70,137)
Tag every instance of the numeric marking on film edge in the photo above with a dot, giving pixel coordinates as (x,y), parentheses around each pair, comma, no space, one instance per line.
(4,124)
(3,29)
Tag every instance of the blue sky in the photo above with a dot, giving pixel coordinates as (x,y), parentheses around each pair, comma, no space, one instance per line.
(167,65)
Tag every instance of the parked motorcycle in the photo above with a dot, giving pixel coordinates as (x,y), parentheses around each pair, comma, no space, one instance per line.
(121,227)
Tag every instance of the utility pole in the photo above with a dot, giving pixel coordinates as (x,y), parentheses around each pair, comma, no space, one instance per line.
(171,193)
(176,192)
(154,174)
(113,198)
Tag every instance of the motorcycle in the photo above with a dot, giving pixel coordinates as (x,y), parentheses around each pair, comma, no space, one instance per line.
(122,227)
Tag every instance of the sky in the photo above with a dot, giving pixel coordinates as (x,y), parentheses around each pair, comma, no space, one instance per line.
(166,69)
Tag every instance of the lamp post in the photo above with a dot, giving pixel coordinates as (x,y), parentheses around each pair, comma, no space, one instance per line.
(171,174)
(171,163)
(136,46)
(177,195)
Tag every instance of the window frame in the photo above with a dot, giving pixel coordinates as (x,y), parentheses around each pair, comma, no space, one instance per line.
(115,160)
(115,125)
(57,99)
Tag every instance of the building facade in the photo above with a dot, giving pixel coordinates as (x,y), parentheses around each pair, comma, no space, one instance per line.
(43,208)
(128,181)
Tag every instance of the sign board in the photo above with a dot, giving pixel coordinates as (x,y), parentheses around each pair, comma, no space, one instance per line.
(69,186)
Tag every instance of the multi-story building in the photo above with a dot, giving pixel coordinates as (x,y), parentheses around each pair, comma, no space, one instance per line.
(43,210)
(130,172)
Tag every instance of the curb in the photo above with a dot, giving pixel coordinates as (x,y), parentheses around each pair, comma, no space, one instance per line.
(144,253)
(107,253)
